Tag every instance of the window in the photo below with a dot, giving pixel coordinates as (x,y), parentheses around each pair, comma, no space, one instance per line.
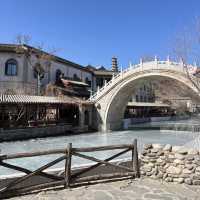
(76,78)
(87,81)
(58,74)
(11,67)
(86,120)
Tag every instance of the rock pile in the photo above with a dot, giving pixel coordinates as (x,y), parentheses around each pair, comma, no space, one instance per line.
(172,164)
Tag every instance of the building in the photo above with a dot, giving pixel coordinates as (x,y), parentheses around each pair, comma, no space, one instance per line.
(38,88)
(101,75)
(144,103)
(20,63)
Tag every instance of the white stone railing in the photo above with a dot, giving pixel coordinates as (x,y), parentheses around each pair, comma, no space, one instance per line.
(153,65)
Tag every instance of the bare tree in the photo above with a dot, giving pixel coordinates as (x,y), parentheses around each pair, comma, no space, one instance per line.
(186,45)
(39,60)
(21,39)
(186,49)
(147,58)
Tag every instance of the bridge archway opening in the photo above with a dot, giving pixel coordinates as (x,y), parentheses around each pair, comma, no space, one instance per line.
(165,85)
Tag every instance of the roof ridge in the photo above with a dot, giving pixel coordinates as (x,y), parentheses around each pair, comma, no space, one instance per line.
(57,58)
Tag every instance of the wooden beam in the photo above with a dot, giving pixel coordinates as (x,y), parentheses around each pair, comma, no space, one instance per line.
(68,165)
(31,154)
(102,148)
(102,162)
(136,162)
(104,176)
(58,151)
(98,164)
(26,171)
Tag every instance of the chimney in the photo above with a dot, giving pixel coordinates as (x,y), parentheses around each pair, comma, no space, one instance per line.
(114,64)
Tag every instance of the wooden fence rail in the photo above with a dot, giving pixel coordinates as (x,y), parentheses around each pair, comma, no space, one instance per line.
(70,177)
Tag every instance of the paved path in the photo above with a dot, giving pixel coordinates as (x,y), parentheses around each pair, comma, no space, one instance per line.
(145,189)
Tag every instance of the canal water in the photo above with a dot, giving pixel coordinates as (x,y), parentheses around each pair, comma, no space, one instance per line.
(89,140)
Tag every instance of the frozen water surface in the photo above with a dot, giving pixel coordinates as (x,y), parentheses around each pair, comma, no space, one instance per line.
(89,140)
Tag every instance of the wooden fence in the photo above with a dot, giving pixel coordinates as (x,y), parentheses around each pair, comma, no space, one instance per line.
(69,177)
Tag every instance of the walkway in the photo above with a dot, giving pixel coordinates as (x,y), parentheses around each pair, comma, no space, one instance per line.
(145,189)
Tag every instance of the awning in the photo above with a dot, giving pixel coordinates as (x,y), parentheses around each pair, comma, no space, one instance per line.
(38,99)
(67,82)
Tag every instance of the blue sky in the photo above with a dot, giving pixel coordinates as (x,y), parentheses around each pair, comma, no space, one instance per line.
(92,31)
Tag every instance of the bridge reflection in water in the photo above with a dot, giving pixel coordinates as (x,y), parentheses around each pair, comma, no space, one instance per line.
(94,139)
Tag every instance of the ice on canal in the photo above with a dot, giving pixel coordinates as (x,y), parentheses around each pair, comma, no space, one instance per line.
(89,140)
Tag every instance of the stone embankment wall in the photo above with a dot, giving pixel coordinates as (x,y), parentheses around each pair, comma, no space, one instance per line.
(171,164)
(32,132)
(36,132)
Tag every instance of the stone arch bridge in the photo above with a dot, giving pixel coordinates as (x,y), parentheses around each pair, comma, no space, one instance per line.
(111,100)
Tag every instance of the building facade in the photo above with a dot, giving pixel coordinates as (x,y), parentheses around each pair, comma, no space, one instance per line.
(26,74)
(17,69)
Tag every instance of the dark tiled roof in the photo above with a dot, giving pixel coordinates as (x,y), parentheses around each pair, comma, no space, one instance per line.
(102,71)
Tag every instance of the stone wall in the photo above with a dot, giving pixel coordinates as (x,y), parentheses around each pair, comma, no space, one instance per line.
(35,132)
(171,164)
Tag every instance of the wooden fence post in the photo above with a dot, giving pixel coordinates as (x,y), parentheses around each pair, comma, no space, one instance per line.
(132,156)
(68,165)
(135,159)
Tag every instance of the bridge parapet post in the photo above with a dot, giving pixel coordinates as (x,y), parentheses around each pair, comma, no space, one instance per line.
(182,65)
(156,61)
(130,65)
(168,61)
(141,63)
(98,89)
(121,73)
(113,76)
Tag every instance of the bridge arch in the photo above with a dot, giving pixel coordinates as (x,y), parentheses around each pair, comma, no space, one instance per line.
(119,99)
(111,104)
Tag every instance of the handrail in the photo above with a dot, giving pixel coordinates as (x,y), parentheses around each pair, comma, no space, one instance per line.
(134,68)
(63,151)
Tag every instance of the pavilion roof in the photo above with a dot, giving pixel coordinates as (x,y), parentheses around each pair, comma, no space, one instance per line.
(29,99)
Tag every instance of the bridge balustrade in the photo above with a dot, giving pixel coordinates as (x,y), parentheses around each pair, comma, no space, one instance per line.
(154,65)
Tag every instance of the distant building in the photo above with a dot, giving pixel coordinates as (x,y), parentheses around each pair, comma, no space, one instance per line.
(101,75)
(143,103)
(145,93)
